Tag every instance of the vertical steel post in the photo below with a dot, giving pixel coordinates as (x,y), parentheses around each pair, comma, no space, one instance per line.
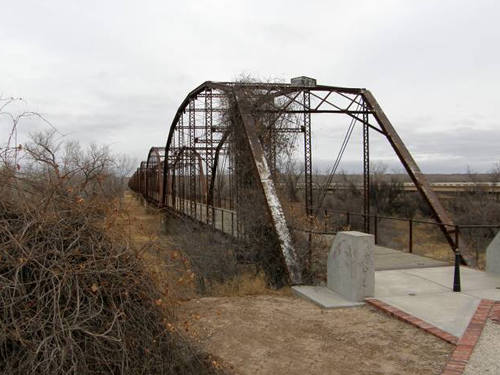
(273,154)
(366,170)
(180,179)
(192,158)
(308,168)
(208,150)
(307,153)
(231,181)
(271,149)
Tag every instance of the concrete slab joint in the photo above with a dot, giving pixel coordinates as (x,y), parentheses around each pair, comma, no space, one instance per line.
(493,255)
(351,266)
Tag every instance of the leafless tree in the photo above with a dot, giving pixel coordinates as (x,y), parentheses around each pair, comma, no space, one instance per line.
(495,173)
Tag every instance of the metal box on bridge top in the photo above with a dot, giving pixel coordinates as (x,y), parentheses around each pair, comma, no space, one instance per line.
(303,81)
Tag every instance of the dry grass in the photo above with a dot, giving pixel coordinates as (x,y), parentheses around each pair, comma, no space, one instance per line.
(245,284)
(169,257)
(169,268)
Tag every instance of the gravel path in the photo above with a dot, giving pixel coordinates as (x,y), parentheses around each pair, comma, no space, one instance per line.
(485,358)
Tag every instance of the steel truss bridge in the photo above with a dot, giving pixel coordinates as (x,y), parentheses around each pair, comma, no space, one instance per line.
(225,139)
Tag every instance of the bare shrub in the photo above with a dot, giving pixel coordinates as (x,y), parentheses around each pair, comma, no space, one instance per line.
(477,205)
(387,196)
(495,173)
(292,174)
(74,295)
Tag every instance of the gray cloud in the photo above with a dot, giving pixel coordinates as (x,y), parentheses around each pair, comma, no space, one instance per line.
(115,71)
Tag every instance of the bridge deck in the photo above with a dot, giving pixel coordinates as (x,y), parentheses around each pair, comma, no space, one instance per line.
(392,259)
(224,220)
(385,258)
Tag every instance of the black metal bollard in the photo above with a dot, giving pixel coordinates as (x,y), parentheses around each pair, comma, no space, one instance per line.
(410,236)
(456,278)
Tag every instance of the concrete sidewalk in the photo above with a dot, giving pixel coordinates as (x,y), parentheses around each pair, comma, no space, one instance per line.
(391,259)
(426,293)
(419,286)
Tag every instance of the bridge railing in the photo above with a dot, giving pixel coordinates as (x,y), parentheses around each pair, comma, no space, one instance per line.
(224,219)
(418,236)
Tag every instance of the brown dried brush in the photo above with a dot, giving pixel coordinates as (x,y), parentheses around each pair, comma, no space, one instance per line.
(74,297)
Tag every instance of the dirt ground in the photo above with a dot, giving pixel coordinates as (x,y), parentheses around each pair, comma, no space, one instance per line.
(275,332)
(287,335)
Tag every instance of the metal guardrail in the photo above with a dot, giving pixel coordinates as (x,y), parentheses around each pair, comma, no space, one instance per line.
(225,220)
(457,229)
(376,218)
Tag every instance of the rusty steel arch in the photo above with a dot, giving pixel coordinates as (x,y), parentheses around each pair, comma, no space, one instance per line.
(188,105)
(154,175)
(142,176)
(183,154)
(133,181)
(217,121)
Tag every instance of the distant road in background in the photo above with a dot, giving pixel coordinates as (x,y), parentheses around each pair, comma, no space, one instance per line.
(439,187)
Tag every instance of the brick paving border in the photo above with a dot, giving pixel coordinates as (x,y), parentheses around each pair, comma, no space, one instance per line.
(495,312)
(465,345)
(414,321)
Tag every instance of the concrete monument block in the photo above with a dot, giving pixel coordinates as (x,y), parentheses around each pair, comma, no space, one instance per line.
(493,255)
(351,266)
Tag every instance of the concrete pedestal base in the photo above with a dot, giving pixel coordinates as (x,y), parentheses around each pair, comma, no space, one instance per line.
(351,266)
(323,297)
(493,255)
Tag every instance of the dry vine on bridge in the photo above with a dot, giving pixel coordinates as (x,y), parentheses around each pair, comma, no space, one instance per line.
(223,165)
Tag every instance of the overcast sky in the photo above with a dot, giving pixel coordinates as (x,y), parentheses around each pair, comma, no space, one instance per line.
(114,72)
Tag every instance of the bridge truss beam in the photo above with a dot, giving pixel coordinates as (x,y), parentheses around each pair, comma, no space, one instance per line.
(202,162)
